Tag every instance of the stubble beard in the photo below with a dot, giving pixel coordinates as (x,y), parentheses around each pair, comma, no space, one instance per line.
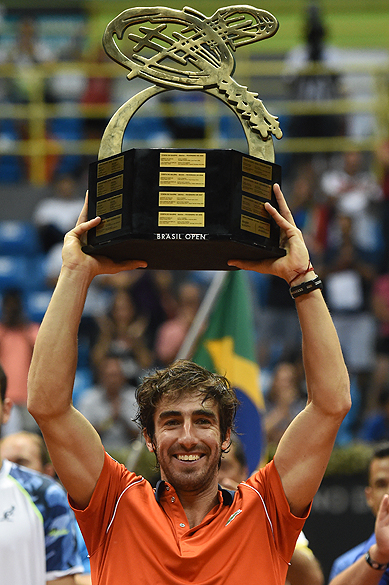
(191,479)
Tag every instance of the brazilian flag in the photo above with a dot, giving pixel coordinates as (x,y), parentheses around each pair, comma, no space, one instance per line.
(227,347)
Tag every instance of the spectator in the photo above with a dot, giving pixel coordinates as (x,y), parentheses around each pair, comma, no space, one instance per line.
(111,406)
(375,427)
(382,155)
(172,332)
(29,450)
(368,562)
(122,332)
(284,401)
(380,309)
(37,532)
(24,86)
(349,273)
(17,338)
(54,216)
(353,191)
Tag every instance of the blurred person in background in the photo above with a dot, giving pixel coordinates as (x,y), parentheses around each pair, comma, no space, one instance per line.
(380,309)
(352,190)
(283,402)
(368,562)
(110,405)
(54,216)
(17,338)
(29,450)
(37,529)
(375,426)
(122,331)
(172,332)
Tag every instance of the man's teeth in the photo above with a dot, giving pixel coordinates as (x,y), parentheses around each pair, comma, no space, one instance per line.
(188,457)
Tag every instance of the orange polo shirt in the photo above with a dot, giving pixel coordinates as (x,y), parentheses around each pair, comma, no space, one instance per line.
(138,536)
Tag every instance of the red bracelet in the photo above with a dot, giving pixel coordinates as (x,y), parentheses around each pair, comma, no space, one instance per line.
(309,269)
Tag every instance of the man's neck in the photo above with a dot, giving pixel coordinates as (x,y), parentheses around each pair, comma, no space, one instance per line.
(197,506)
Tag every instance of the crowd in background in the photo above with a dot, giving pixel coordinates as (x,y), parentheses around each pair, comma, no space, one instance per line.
(137,321)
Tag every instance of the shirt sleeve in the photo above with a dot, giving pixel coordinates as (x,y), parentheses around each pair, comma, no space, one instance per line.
(62,556)
(348,558)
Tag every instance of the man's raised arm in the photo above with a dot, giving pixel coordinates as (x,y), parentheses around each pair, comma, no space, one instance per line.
(74,445)
(305,448)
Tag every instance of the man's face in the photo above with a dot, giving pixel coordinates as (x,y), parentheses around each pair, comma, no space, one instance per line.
(378,483)
(21,450)
(187,442)
(5,411)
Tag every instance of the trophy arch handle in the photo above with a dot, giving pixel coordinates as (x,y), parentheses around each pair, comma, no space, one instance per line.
(112,139)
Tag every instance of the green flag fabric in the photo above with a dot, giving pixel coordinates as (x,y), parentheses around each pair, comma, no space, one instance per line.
(227,347)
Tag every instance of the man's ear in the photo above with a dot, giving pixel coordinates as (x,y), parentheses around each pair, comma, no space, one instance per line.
(227,440)
(368,496)
(6,410)
(149,442)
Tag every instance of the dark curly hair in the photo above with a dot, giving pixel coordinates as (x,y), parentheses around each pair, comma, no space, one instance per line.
(3,384)
(184,376)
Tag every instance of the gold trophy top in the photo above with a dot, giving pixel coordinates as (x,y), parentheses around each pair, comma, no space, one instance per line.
(186,50)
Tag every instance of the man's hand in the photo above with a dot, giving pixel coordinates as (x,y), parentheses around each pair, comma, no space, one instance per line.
(382,530)
(296,260)
(74,258)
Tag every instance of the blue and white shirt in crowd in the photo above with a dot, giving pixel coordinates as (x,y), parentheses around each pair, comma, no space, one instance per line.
(351,556)
(37,528)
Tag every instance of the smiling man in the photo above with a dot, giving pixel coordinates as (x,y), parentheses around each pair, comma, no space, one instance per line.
(188,530)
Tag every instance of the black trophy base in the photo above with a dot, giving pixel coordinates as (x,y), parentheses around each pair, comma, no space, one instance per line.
(186,209)
(183,254)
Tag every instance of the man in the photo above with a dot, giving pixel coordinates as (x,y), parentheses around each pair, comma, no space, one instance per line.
(304,568)
(110,405)
(368,563)
(37,536)
(180,533)
(29,450)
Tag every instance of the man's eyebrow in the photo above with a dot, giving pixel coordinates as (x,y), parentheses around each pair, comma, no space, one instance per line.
(168,413)
(200,412)
(205,412)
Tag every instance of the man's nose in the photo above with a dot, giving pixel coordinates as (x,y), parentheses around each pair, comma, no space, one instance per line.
(187,437)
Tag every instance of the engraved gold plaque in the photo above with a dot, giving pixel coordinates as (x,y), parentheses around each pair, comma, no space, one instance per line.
(110,167)
(181,159)
(110,204)
(109,185)
(180,219)
(256,226)
(181,179)
(112,224)
(181,199)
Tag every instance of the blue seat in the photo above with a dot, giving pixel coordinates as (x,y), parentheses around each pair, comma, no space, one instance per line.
(13,272)
(231,128)
(37,302)
(22,272)
(18,238)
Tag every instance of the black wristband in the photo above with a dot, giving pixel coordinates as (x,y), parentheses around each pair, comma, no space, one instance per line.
(305,287)
(374,564)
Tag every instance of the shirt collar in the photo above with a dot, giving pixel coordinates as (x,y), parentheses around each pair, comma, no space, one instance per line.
(227,495)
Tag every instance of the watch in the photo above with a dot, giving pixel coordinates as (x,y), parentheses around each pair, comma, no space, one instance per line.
(374,564)
(305,287)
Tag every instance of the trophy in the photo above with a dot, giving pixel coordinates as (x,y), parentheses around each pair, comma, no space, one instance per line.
(186,209)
